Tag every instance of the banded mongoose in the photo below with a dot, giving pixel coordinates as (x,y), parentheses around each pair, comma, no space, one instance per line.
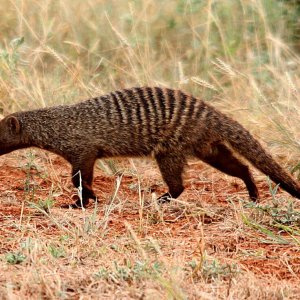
(142,121)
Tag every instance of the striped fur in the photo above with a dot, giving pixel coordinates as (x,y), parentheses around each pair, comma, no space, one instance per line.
(142,121)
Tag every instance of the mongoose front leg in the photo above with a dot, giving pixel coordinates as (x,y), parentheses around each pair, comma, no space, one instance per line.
(82,178)
(223,159)
(171,167)
(83,183)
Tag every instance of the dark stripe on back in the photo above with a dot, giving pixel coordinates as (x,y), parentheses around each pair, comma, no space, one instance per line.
(192,107)
(146,111)
(126,104)
(117,108)
(181,102)
(137,113)
(162,103)
(154,116)
(200,109)
(172,100)
(144,102)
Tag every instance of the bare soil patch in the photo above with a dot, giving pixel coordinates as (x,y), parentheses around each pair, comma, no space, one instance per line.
(126,246)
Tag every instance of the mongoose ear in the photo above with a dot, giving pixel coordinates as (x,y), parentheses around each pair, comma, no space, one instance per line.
(13,124)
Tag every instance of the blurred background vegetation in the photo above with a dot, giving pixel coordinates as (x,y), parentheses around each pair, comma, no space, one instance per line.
(240,55)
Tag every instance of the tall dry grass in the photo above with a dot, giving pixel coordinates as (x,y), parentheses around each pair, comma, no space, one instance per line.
(239,55)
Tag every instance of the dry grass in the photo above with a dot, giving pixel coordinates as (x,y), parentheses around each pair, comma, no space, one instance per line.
(241,56)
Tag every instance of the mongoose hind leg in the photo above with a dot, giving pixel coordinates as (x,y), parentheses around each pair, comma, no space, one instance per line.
(223,159)
(171,168)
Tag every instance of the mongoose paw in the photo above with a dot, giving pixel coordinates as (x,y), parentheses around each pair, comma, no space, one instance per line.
(254,199)
(73,205)
(165,198)
(254,195)
(76,206)
(79,203)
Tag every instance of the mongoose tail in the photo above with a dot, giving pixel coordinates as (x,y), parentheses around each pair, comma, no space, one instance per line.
(245,144)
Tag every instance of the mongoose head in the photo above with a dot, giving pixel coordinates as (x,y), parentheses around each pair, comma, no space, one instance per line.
(10,134)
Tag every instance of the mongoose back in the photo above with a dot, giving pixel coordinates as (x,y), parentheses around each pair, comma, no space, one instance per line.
(142,121)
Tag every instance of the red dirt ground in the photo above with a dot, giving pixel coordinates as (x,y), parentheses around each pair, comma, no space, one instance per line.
(212,187)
